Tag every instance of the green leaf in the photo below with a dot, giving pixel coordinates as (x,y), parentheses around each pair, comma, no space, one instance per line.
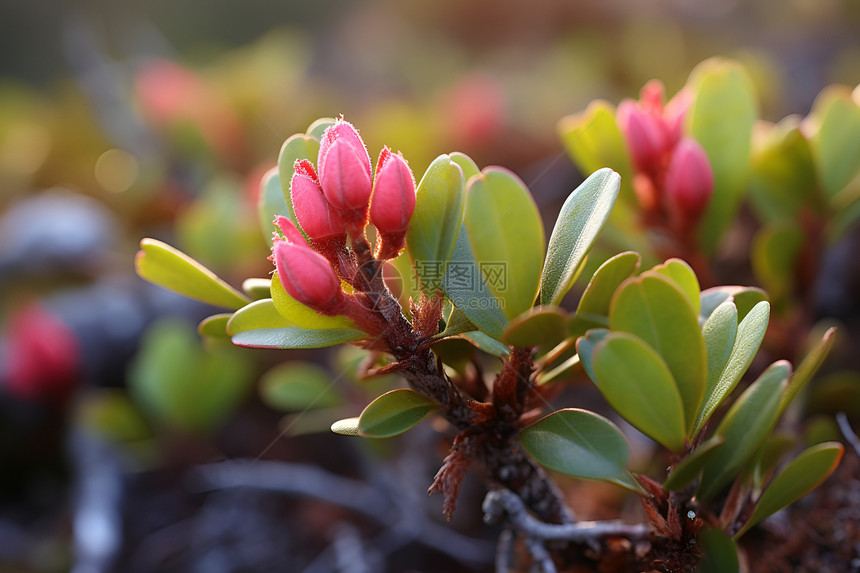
(296,386)
(802,475)
(439,203)
(585,349)
(721,119)
(318,127)
(684,278)
(688,468)
(485,343)
(165,266)
(750,333)
(301,315)
(720,552)
(808,367)
(182,386)
(579,443)
(292,337)
(298,146)
(465,287)
(720,333)
(581,218)
(745,428)
(346,427)
(215,325)
(469,167)
(653,308)
(259,314)
(605,281)
(593,140)
(257,289)
(270,202)
(540,326)
(394,412)
(638,385)
(745,298)
(836,143)
(775,251)
(783,177)
(507,237)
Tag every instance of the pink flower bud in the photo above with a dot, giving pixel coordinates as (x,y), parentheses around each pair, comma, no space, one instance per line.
(645,134)
(289,230)
(307,275)
(689,181)
(651,97)
(392,204)
(345,172)
(316,216)
(393,200)
(674,114)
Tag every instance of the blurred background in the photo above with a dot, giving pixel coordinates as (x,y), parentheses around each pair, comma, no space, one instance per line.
(123,120)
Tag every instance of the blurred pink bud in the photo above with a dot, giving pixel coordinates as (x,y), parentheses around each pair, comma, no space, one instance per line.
(344,171)
(393,200)
(315,215)
(307,275)
(393,203)
(689,180)
(645,134)
(674,114)
(651,97)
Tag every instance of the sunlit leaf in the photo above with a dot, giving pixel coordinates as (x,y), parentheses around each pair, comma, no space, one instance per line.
(638,385)
(808,367)
(296,337)
(585,349)
(346,427)
(802,475)
(259,314)
(653,308)
(679,272)
(749,336)
(579,443)
(469,167)
(465,287)
(581,218)
(298,146)
(721,118)
(394,412)
(542,326)
(507,237)
(836,142)
(165,266)
(745,428)
(608,277)
(720,333)
(215,325)
(271,202)
(301,315)
(257,289)
(439,204)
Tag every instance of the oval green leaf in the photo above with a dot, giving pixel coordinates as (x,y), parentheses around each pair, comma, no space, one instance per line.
(581,218)
(653,308)
(507,237)
(215,325)
(346,427)
(836,143)
(721,119)
(745,428)
(585,349)
(465,287)
(679,272)
(292,337)
(270,202)
(165,266)
(257,289)
(802,475)
(301,315)
(259,314)
(637,383)
(719,332)
(439,203)
(298,146)
(578,443)
(749,336)
(543,326)
(469,167)
(393,413)
(297,386)
(603,284)
(688,468)
(720,552)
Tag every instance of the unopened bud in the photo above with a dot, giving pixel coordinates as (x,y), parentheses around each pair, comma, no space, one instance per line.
(345,172)
(645,134)
(314,213)
(306,274)
(674,114)
(689,181)
(393,202)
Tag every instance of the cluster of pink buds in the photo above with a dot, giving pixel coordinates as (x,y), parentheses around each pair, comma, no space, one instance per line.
(332,204)
(673,180)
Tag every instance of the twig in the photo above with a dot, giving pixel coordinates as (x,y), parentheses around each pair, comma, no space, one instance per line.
(542,561)
(296,479)
(504,551)
(505,503)
(848,432)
